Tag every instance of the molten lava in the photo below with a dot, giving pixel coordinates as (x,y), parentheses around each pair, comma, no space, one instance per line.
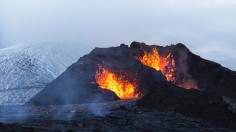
(165,64)
(121,86)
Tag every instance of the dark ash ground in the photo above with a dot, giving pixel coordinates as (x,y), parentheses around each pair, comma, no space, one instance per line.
(111,116)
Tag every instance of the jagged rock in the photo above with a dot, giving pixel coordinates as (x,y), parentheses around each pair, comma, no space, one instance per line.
(165,96)
(231,102)
(211,76)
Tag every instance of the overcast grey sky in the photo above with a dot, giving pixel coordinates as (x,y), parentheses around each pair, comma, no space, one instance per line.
(207,27)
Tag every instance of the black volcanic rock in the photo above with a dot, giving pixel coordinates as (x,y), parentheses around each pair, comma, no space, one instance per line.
(211,76)
(165,96)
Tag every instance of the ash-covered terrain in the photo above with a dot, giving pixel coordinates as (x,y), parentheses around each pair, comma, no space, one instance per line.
(170,87)
(121,115)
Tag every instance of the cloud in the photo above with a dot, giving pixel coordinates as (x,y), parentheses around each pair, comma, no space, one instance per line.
(218,51)
(104,23)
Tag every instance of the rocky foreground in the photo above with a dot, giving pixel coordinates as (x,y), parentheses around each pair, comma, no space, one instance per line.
(111,116)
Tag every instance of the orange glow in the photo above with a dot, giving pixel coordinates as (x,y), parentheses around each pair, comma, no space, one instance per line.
(122,87)
(165,64)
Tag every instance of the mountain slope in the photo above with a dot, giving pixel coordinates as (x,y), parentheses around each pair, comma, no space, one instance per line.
(27,68)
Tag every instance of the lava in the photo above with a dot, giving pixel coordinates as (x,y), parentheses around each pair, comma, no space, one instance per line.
(121,86)
(165,64)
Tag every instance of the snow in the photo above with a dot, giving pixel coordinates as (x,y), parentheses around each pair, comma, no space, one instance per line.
(25,69)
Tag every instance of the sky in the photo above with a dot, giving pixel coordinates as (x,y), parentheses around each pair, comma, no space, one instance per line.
(206,27)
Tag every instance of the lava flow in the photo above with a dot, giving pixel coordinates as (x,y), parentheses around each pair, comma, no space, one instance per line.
(122,87)
(165,64)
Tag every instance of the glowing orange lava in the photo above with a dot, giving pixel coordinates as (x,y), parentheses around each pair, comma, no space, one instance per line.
(122,87)
(165,64)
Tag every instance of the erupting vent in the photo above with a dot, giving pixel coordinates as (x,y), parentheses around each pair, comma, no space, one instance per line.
(121,86)
(165,64)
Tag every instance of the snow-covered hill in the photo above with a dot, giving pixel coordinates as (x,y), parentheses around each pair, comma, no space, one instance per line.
(26,68)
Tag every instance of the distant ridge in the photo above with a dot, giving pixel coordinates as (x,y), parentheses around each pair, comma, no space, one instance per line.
(26,68)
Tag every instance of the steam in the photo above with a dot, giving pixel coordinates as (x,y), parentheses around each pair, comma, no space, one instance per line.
(182,71)
(97,109)
(10,114)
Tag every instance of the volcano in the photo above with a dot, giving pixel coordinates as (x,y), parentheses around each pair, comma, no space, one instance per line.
(130,72)
(139,84)
(105,73)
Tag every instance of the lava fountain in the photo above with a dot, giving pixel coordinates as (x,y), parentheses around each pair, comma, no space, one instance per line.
(123,88)
(164,64)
